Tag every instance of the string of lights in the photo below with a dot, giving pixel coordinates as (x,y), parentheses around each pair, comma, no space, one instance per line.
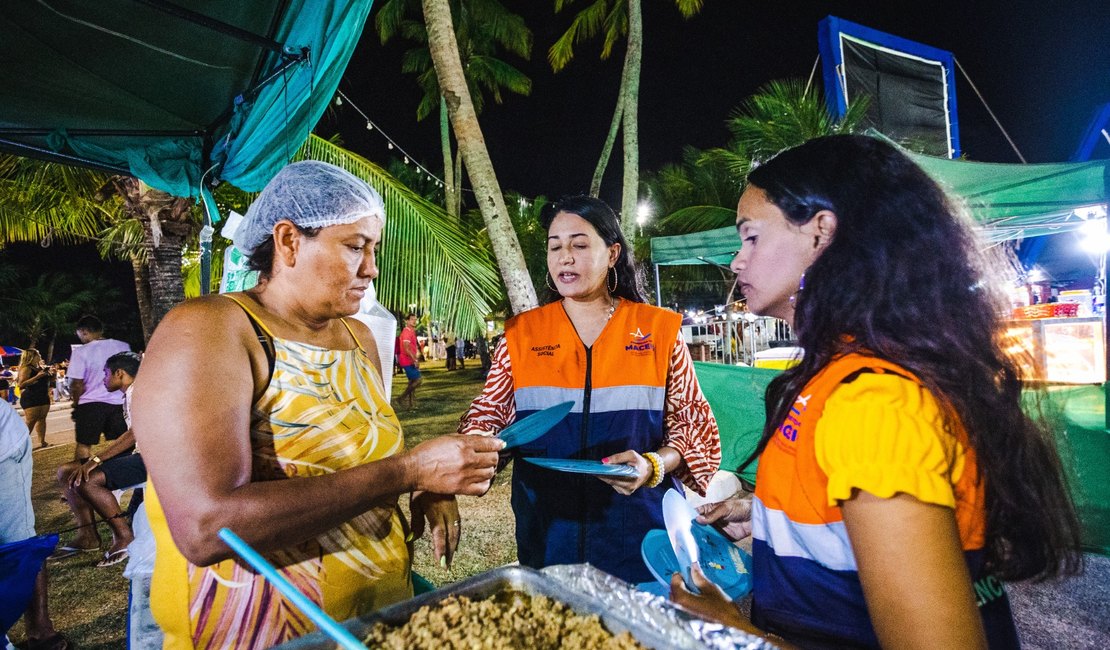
(55,229)
(340,98)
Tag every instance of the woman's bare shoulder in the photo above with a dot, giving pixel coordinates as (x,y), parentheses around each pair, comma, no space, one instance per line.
(212,320)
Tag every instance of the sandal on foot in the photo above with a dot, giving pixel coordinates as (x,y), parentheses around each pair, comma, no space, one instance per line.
(69,551)
(113,558)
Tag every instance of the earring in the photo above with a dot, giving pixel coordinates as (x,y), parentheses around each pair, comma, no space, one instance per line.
(801,286)
(613,288)
(547,281)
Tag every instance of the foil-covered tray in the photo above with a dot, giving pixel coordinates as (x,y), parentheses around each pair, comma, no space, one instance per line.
(652,621)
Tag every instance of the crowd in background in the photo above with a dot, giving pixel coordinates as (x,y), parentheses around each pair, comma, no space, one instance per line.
(59,386)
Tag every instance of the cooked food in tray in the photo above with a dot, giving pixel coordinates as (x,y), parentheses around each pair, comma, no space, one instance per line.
(508,620)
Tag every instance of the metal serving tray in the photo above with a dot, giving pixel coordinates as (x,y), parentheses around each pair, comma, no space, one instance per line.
(479,587)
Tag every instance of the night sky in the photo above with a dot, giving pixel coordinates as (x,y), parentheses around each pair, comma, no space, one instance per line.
(1042,67)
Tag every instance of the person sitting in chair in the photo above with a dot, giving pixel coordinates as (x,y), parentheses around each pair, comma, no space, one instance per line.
(87,486)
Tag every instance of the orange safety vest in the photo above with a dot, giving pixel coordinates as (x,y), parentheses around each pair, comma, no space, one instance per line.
(618,386)
(806,586)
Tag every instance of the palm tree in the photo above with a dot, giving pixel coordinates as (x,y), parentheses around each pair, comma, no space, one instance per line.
(615,19)
(427,259)
(41,201)
(482,27)
(525,214)
(457,283)
(780,115)
(693,193)
(43,306)
(167,223)
(460,106)
(701,192)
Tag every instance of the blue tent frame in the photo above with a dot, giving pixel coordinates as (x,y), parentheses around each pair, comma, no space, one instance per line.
(830,33)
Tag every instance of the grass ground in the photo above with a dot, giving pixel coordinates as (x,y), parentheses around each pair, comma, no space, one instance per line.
(89,605)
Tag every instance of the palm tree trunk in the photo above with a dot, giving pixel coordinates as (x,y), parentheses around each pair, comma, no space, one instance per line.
(457,206)
(607,148)
(445,55)
(167,288)
(142,294)
(448,166)
(166,226)
(630,97)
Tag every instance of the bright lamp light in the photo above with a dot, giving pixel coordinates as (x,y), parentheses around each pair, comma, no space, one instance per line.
(1093,237)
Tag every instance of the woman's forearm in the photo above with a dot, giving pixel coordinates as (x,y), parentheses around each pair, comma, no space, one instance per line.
(282,513)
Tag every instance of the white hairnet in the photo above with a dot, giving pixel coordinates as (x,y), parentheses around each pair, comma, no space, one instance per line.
(311,194)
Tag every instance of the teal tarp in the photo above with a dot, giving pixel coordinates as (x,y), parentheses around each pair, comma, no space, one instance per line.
(707,247)
(736,396)
(1076,413)
(172,92)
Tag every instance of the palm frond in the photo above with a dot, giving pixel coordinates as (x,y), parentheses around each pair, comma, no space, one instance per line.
(495,75)
(390,17)
(495,24)
(123,240)
(415,31)
(48,202)
(697,218)
(782,114)
(615,28)
(416,61)
(688,7)
(586,25)
(737,162)
(425,258)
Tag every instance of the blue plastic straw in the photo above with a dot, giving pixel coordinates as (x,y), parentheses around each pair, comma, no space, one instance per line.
(326,623)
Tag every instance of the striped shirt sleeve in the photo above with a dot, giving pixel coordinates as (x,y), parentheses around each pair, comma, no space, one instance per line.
(495,408)
(688,422)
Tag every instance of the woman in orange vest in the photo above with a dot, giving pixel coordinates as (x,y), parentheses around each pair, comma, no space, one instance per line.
(637,401)
(899,479)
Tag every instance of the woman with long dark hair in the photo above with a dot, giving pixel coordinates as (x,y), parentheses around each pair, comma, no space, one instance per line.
(899,479)
(637,401)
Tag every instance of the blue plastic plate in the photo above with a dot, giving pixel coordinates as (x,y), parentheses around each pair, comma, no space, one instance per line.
(725,564)
(576,466)
(525,431)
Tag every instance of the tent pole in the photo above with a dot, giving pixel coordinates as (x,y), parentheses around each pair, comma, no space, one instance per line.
(209,204)
(39,153)
(658,296)
(213,24)
(1105,331)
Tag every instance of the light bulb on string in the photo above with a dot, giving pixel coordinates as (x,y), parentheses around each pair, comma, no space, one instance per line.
(338,100)
(406,160)
(390,145)
(369,126)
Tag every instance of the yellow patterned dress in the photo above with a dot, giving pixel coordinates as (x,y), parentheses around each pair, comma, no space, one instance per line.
(323,411)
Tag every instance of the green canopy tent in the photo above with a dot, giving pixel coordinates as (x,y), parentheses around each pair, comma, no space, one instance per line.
(1007,202)
(181,95)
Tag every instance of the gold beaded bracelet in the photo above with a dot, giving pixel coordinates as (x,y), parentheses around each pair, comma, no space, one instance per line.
(657,469)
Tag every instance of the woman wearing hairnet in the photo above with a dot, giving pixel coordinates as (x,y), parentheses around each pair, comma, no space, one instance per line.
(291,443)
